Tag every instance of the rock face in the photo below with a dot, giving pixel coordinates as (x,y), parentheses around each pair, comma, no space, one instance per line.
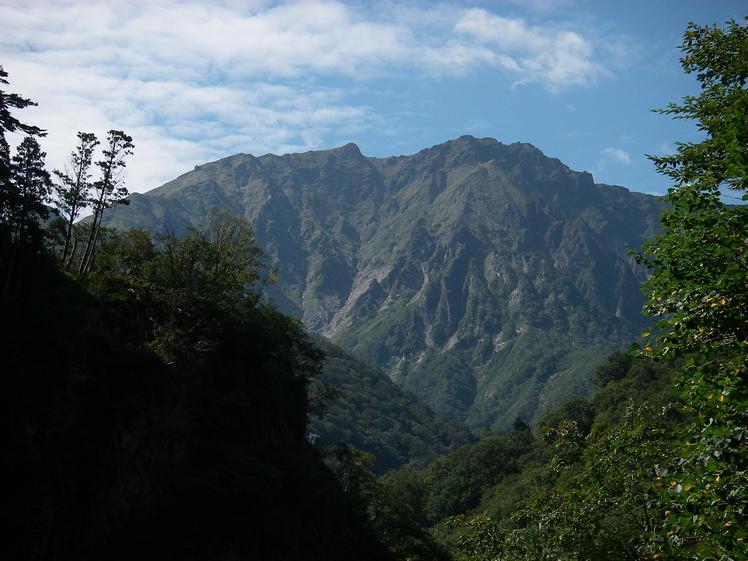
(488,279)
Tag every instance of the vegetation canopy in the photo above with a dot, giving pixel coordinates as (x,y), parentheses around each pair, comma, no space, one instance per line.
(699,287)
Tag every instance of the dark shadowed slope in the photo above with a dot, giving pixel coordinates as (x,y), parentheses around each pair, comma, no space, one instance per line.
(376,416)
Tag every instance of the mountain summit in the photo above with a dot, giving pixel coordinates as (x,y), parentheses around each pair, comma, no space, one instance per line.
(486,278)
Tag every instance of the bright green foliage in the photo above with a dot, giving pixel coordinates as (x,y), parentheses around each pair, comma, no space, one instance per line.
(579,496)
(699,285)
(577,410)
(605,511)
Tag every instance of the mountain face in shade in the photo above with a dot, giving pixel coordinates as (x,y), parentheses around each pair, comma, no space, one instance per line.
(487,279)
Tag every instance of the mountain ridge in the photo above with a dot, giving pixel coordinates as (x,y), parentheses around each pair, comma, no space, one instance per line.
(486,278)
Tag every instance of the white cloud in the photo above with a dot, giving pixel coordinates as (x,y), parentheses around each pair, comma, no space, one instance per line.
(193,82)
(544,5)
(556,58)
(616,155)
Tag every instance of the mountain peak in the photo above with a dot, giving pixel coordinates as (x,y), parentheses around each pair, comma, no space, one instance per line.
(465,150)
(470,140)
(349,150)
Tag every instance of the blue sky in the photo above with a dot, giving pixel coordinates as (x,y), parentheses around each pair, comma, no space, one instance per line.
(193,82)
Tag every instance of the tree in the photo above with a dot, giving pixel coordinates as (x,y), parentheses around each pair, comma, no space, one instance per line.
(109,189)
(24,204)
(699,286)
(220,261)
(74,188)
(9,198)
(601,506)
(185,289)
(8,123)
(32,187)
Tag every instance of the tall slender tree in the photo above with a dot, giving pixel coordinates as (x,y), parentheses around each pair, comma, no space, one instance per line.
(26,203)
(33,187)
(109,189)
(73,191)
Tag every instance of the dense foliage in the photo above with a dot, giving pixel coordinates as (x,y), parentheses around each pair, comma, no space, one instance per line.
(148,417)
(659,480)
(371,413)
(583,487)
(699,287)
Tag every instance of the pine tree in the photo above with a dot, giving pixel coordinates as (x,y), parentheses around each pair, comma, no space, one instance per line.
(25,203)
(8,123)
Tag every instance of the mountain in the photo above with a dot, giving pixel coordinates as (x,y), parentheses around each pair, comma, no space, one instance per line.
(487,279)
(376,416)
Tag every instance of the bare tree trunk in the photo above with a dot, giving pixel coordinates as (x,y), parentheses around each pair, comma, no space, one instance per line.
(91,239)
(92,255)
(87,252)
(72,254)
(68,235)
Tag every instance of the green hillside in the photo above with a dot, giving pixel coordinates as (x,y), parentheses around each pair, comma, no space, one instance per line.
(374,415)
(584,482)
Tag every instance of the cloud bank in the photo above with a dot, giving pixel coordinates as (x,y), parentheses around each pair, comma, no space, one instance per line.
(193,83)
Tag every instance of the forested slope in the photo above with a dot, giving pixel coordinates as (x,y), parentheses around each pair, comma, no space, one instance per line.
(152,410)
(368,411)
